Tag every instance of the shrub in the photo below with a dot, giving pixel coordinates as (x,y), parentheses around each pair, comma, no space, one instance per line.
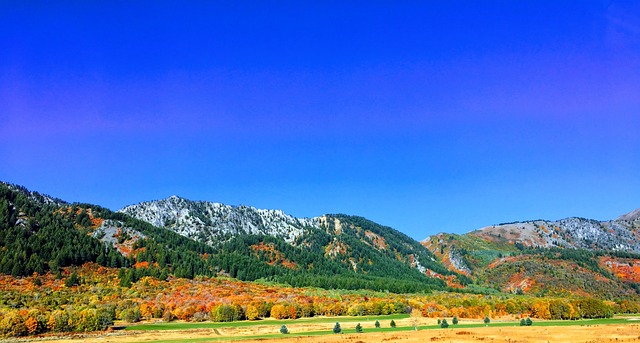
(523,322)
(529,322)
(337,328)
(455,320)
(392,324)
(487,320)
(358,328)
(377,324)
(284,330)
(131,315)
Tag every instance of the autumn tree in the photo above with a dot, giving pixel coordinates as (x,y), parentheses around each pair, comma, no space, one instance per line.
(251,312)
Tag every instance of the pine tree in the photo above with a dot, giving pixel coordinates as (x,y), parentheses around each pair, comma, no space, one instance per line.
(284,330)
(337,328)
(377,324)
(359,328)
(487,320)
(455,320)
(392,324)
(444,324)
(529,322)
(523,322)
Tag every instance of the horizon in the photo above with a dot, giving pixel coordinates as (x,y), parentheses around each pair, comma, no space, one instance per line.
(424,117)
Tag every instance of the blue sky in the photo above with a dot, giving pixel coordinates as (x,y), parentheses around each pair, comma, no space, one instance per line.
(423,116)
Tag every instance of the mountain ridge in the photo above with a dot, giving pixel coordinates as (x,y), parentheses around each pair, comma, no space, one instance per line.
(188,238)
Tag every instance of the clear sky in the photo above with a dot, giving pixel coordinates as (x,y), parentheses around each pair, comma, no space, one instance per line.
(425,116)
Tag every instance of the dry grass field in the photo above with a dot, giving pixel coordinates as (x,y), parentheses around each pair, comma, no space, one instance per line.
(268,333)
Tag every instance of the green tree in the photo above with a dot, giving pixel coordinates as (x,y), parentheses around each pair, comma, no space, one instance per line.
(337,328)
(377,324)
(455,320)
(72,280)
(529,322)
(284,330)
(523,322)
(444,324)
(487,320)
(392,324)
(359,328)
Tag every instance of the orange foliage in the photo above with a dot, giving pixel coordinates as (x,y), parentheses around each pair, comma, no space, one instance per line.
(625,269)
(32,325)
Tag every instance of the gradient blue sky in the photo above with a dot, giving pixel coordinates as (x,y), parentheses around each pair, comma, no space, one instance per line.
(425,116)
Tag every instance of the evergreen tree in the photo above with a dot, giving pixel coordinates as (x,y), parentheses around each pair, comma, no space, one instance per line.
(529,322)
(72,280)
(284,330)
(337,328)
(359,328)
(444,324)
(392,324)
(487,320)
(523,322)
(455,320)
(377,324)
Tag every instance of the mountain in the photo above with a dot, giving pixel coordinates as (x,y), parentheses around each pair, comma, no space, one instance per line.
(213,223)
(184,238)
(568,256)
(344,244)
(40,234)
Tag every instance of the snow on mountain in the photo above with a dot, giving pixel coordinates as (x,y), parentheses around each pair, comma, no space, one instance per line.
(214,222)
(619,234)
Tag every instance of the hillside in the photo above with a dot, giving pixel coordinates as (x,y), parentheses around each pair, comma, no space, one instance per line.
(334,251)
(183,238)
(568,256)
(338,243)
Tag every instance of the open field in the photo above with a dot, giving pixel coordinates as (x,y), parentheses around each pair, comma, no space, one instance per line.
(623,329)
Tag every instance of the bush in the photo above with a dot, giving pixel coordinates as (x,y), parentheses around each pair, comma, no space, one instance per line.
(377,324)
(284,330)
(529,322)
(131,315)
(359,328)
(337,328)
(13,325)
(392,324)
(487,320)
(523,322)
(455,320)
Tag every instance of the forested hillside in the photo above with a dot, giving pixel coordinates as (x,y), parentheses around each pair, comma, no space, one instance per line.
(43,235)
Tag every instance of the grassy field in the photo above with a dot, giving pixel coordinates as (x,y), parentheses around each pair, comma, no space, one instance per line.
(308,327)
(274,322)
